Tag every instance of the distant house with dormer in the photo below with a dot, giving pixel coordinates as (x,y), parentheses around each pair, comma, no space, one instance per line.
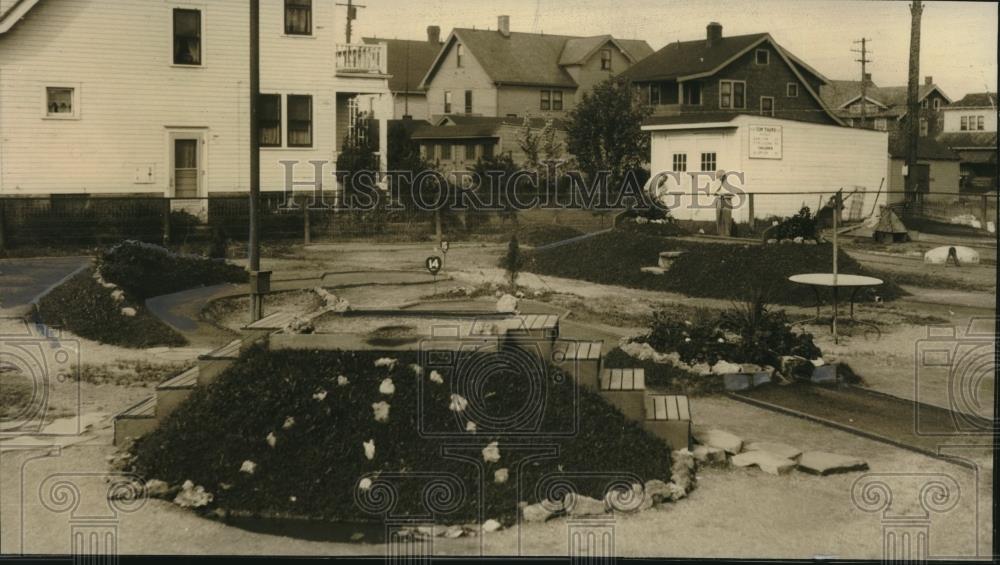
(408,62)
(506,74)
(741,74)
(867,105)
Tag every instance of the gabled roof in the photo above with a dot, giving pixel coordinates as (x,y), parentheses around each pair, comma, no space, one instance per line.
(927,148)
(408,61)
(529,59)
(683,59)
(977,100)
(476,127)
(15,13)
(838,94)
(969,139)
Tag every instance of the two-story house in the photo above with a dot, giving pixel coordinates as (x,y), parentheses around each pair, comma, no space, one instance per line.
(134,97)
(970,129)
(409,61)
(502,73)
(749,74)
(867,105)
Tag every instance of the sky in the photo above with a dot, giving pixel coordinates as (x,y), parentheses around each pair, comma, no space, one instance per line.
(958,39)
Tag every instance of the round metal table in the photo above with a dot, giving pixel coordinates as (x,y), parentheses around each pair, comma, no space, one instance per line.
(836,282)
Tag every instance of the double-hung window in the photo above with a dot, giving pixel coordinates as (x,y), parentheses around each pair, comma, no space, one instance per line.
(298,17)
(557,100)
(447,101)
(468,101)
(270,120)
(187,36)
(732,94)
(300,120)
(546,103)
(605,59)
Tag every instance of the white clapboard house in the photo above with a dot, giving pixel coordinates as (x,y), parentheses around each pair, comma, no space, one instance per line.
(151,97)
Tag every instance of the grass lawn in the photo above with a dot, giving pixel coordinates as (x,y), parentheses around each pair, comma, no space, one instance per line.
(711,270)
(84,307)
(315,458)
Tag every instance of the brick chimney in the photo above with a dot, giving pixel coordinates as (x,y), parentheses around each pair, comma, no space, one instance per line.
(433,34)
(503,25)
(868,78)
(714,34)
(928,80)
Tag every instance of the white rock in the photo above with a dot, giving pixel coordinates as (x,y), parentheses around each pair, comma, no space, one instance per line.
(365,484)
(818,362)
(417,369)
(436,378)
(289,423)
(156,488)
(369,449)
(507,304)
(491,525)
(387,387)
(580,505)
(709,455)
(537,512)
(766,461)
(726,368)
(191,496)
(458,403)
(381,410)
(387,362)
(248,467)
(272,440)
(321,395)
(129,312)
(491,453)
(500,476)
(118,295)
(342,380)
(782,450)
(470,426)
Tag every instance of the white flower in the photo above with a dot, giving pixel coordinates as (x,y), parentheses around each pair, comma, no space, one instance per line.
(129,312)
(369,449)
(365,484)
(387,387)
(342,380)
(417,370)
(272,439)
(321,395)
(289,423)
(381,410)
(500,476)
(386,362)
(458,403)
(248,467)
(722,340)
(687,340)
(436,378)
(491,453)
(188,485)
(118,295)
(470,426)
(292,498)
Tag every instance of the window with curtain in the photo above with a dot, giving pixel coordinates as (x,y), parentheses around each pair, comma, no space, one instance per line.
(187,37)
(298,17)
(299,120)
(270,120)
(59,101)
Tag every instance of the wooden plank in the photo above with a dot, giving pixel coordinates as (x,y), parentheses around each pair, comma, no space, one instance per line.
(671,404)
(595,349)
(661,408)
(627,380)
(640,379)
(684,407)
(605,379)
(616,380)
(650,410)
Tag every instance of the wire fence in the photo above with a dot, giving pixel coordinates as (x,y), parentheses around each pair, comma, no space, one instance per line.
(98,220)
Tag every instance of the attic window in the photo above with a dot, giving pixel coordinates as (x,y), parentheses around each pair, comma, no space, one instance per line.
(605,59)
(792,90)
(762,56)
(937,103)
(458,55)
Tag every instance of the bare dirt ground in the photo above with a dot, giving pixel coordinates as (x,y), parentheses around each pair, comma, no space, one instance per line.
(733,513)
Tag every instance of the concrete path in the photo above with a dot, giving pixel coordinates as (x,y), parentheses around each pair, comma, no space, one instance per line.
(951,298)
(22,280)
(182,311)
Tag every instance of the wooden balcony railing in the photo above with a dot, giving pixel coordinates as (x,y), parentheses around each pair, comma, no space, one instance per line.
(361,59)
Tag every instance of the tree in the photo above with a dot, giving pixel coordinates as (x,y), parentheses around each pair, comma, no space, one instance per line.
(513,261)
(605,134)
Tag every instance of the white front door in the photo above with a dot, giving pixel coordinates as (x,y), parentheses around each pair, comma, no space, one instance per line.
(187,164)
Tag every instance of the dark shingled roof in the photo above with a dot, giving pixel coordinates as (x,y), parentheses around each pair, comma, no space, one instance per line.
(691,118)
(408,61)
(684,58)
(839,92)
(969,139)
(927,148)
(535,59)
(977,100)
(477,127)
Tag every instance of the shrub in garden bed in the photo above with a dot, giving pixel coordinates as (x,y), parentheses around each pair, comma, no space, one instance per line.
(298,433)
(665,377)
(145,270)
(85,307)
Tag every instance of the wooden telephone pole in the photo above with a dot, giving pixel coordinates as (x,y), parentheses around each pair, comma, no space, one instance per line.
(352,14)
(864,60)
(254,240)
(912,106)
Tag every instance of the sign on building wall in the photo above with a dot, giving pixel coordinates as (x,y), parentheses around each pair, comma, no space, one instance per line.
(765,142)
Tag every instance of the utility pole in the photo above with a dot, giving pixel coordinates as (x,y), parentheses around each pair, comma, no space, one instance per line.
(254,240)
(352,14)
(864,60)
(912,106)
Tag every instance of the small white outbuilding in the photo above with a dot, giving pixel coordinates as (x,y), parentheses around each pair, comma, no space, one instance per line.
(784,163)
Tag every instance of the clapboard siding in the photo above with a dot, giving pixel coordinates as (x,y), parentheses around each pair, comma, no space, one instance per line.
(119,54)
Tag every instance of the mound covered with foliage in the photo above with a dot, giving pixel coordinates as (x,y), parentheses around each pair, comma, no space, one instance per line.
(145,270)
(329,434)
(544,234)
(90,310)
(712,270)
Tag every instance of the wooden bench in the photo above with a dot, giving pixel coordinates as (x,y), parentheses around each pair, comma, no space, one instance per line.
(669,418)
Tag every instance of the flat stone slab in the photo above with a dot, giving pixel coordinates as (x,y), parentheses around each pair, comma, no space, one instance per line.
(766,461)
(654,270)
(825,463)
(709,455)
(735,382)
(721,439)
(782,450)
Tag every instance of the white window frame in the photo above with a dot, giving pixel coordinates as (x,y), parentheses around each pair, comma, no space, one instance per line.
(75,87)
(459,52)
(715,161)
(679,159)
(204,39)
(610,58)
(788,89)
(761,104)
(448,102)
(732,94)
(767,54)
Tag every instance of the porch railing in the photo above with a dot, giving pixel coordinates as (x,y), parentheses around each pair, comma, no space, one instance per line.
(361,59)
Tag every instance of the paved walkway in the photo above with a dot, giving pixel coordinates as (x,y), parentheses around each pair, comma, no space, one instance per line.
(22,280)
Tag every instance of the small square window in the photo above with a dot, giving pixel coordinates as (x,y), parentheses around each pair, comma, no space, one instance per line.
(762,56)
(792,90)
(59,102)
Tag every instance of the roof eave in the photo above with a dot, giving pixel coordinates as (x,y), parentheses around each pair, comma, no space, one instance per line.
(692,125)
(15,14)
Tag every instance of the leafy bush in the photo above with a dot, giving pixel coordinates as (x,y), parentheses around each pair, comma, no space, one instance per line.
(145,270)
(802,224)
(512,261)
(319,427)
(84,307)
